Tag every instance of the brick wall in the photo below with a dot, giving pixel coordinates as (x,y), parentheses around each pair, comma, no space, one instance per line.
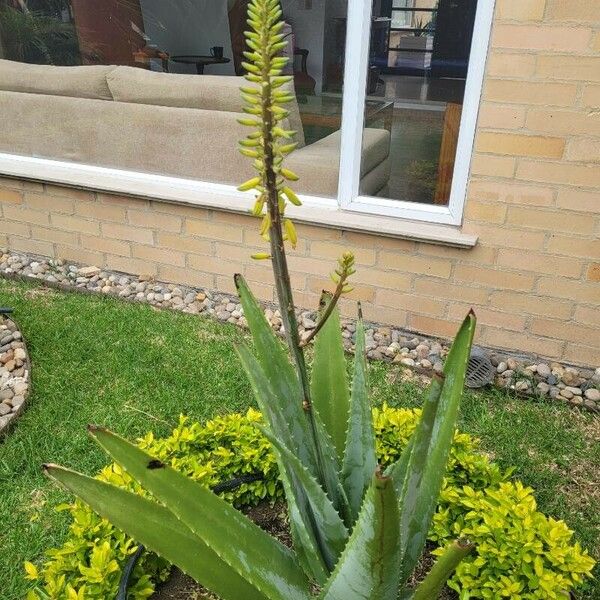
(533,198)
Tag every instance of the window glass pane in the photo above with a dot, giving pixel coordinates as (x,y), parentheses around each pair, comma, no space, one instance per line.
(417,71)
(152,85)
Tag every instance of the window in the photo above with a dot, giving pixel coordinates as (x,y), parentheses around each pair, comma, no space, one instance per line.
(386,96)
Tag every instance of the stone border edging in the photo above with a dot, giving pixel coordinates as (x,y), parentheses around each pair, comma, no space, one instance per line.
(15,373)
(520,373)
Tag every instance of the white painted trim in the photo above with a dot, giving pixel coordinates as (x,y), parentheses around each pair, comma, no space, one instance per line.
(453,213)
(323,212)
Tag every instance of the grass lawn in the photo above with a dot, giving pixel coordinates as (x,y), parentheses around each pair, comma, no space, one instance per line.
(132,368)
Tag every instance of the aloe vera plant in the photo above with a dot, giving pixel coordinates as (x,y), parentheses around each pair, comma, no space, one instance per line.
(358,532)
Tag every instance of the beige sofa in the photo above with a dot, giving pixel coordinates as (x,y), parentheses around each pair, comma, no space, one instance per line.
(178,125)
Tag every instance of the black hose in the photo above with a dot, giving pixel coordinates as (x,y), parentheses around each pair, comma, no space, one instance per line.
(225,486)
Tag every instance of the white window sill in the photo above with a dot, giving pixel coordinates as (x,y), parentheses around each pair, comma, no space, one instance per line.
(323,212)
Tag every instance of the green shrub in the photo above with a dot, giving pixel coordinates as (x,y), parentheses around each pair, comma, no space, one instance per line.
(520,553)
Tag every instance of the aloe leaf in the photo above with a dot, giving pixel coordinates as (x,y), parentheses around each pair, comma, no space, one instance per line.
(329,382)
(368,567)
(258,557)
(433,584)
(333,532)
(429,454)
(287,392)
(360,458)
(159,530)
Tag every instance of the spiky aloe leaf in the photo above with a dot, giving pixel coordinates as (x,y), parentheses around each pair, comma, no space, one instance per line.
(431,443)
(287,392)
(258,557)
(302,521)
(368,567)
(329,382)
(333,533)
(159,530)
(360,459)
(433,584)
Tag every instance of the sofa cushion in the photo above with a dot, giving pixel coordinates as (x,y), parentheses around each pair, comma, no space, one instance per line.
(77,82)
(208,92)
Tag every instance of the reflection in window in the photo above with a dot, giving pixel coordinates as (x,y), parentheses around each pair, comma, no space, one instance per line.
(417,72)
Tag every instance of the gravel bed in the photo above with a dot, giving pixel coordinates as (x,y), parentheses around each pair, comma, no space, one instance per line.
(14,373)
(523,374)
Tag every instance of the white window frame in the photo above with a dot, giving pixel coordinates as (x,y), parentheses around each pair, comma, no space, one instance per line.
(376,214)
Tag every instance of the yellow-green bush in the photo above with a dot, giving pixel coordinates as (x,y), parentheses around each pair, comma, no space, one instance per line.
(519,553)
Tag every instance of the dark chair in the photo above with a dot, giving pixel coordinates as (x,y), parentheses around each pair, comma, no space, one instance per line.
(303,82)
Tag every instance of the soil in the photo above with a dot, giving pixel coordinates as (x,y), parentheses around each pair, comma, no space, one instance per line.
(272,519)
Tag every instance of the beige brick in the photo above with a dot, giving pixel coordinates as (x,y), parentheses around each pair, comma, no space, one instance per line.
(563,122)
(583,201)
(310,301)
(383,279)
(564,288)
(486,316)
(563,330)
(123,201)
(26,215)
(580,68)
(541,37)
(520,10)
(67,192)
(134,266)
(501,338)
(158,255)
(549,220)
(380,314)
(15,228)
(154,220)
(317,233)
(593,274)
(355,239)
(21,244)
(485,212)
(584,149)
(54,235)
(512,65)
(127,233)
(314,266)
(432,326)
(186,276)
(570,246)
(591,96)
(450,291)
(261,291)
(511,193)
(102,244)
(582,355)
(234,219)
(11,196)
(595,45)
(540,263)
(492,166)
(521,145)
(530,92)
(11,183)
(478,254)
(34,186)
(238,252)
(419,304)
(179,210)
(499,116)
(87,257)
(363,256)
(253,240)
(493,278)
(414,264)
(588,315)
(213,264)
(184,244)
(557,172)
(102,212)
(527,303)
(216,231)
(572,10)
(47,203)
(76,224)
(506,238)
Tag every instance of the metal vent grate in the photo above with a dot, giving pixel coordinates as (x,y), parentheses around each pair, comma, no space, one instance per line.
(480,370)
